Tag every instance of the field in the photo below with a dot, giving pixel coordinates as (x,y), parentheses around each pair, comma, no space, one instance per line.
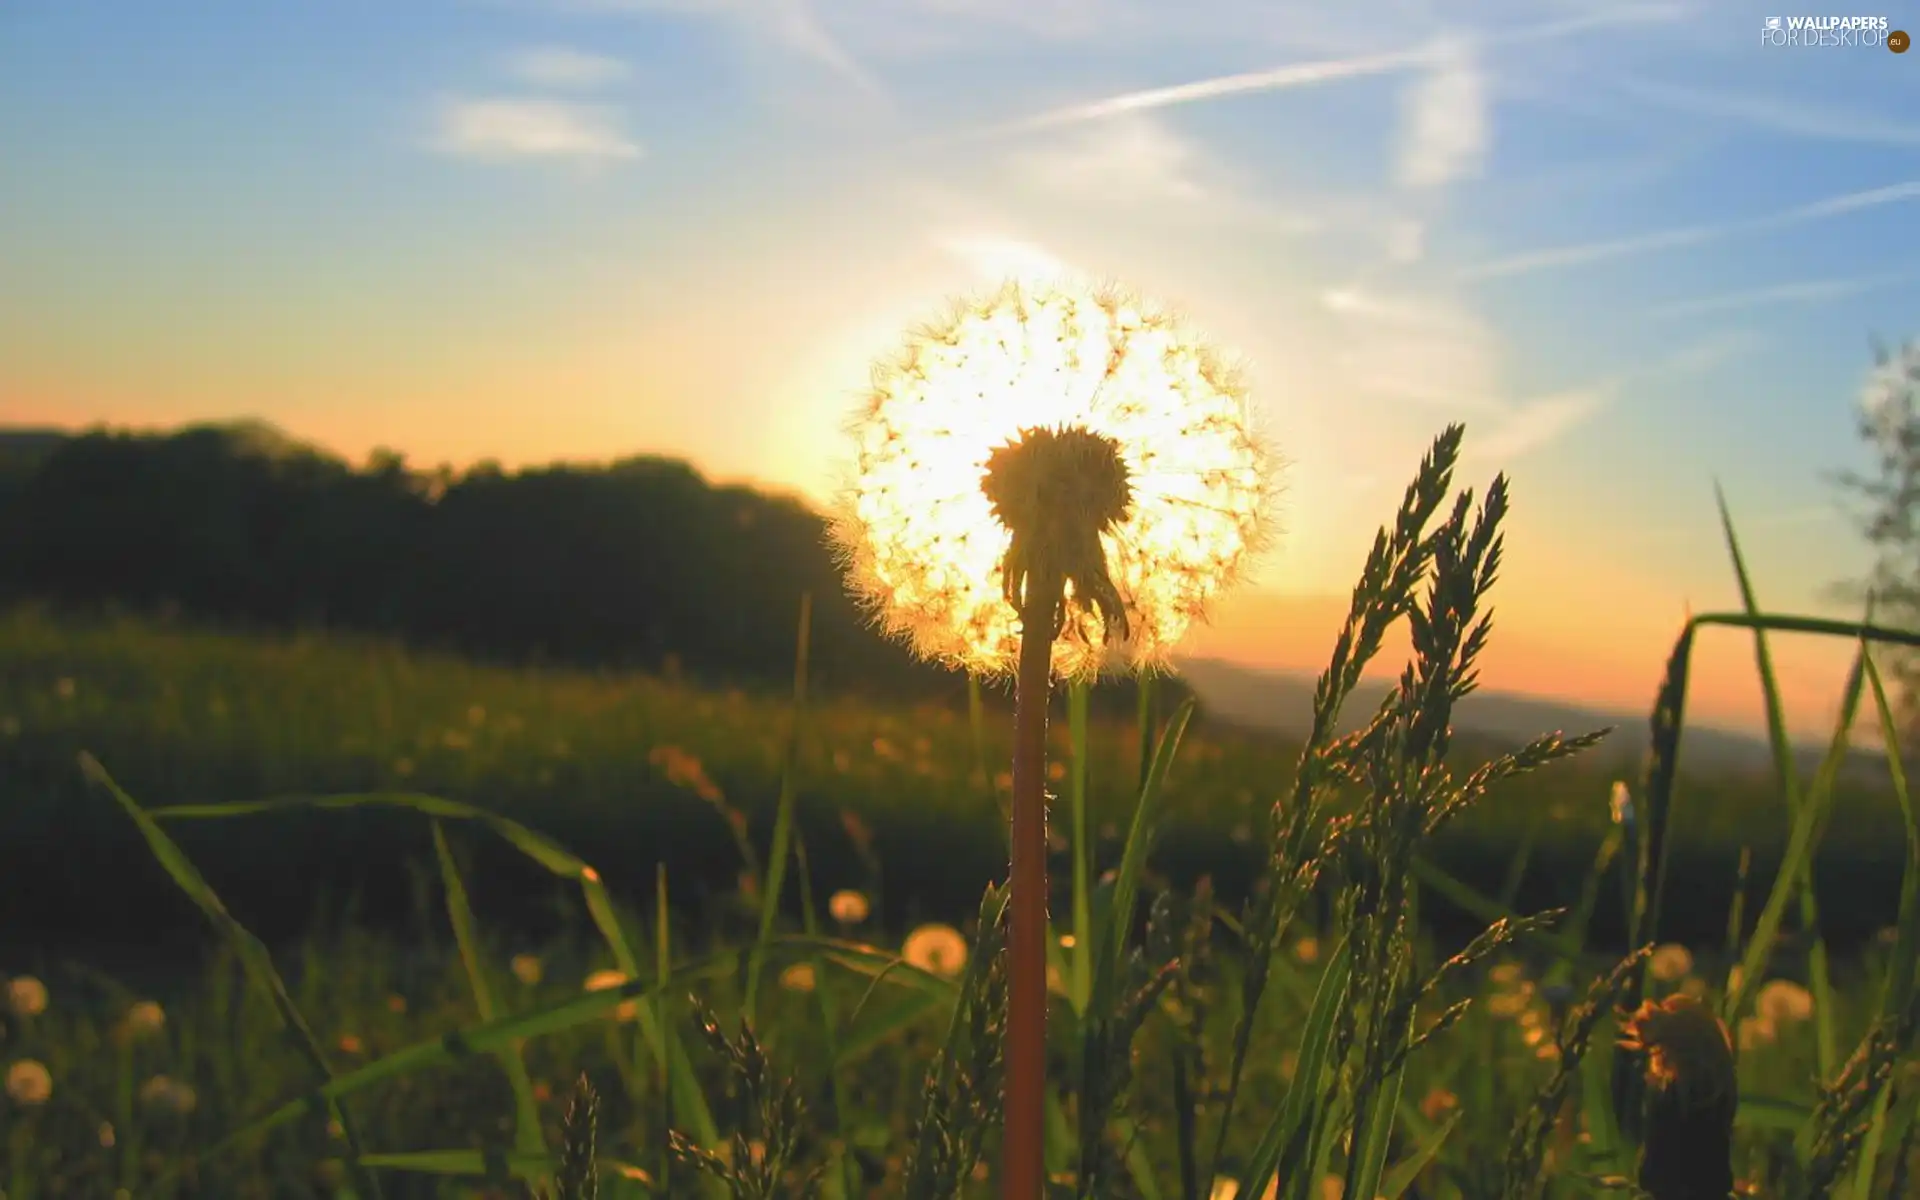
(672,790)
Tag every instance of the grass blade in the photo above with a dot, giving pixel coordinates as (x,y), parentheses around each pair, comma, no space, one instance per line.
(527,1139)
(252,953)
(783,809)
(1786,774)
(1902,980)
(1798,858)
(1285,1140)
(1133,860)
(1398,1180)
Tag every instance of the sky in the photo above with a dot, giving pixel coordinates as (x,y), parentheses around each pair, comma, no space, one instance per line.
(1634,248)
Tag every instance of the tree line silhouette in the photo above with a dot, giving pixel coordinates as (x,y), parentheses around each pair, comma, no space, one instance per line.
(636,563)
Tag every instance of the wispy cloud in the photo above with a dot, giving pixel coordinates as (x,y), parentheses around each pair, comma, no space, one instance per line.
(1310,74)
(1799,118)
(1694,235)
(1534,424)
(507,129)
(792,24)
(1448,123)
(1808,291)
(560,67)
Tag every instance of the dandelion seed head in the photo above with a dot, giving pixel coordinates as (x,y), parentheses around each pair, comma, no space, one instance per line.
(26,996)
(145,1018)
(1180,500)
(797,977)
(29,1083)
(936,949)
(1670,963)
(1782,1001)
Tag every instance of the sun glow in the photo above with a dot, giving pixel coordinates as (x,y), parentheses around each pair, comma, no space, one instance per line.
(920,539)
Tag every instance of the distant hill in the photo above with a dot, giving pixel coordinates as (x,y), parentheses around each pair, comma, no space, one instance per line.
(1283,701)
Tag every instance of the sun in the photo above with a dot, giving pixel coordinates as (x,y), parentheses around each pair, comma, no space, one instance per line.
(920,539)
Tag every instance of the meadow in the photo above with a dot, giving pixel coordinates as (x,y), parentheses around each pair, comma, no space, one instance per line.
(323,916)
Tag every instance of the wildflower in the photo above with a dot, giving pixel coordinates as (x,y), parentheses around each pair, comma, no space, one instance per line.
(168,1095)
(26,996)
(1756,1031)
(526,968)
(798,977)
(29,1083)
(350,1043)
(1151,453)
(1781,1001)
(601,981)
(144,1019)
(1670,962)
(936,949)
(1437,1103)
(1686,1059)
(1307,949)
(847,907)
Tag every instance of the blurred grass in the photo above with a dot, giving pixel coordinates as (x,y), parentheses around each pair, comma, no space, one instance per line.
(630,765)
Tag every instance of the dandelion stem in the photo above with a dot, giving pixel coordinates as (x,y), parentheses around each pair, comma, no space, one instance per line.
(1024,1170)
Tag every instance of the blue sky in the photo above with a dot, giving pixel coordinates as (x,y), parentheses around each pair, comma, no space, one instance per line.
(1635,249)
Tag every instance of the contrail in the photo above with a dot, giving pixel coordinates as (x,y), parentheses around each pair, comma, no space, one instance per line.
(1307,74)
(1669,239)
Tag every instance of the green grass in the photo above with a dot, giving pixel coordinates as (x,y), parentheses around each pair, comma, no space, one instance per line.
(635,766)
(743,1042)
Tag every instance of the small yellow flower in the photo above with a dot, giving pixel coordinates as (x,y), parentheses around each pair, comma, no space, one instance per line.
(1307,950)
(29,1083)
(1781,1001)
(798,977)
(601,981)
(936,949)
(1437,1103)
(848,907)
(26,996)
(526,968)
(168,1095)
(1670,962)
(145,1018)
(1756,1032)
